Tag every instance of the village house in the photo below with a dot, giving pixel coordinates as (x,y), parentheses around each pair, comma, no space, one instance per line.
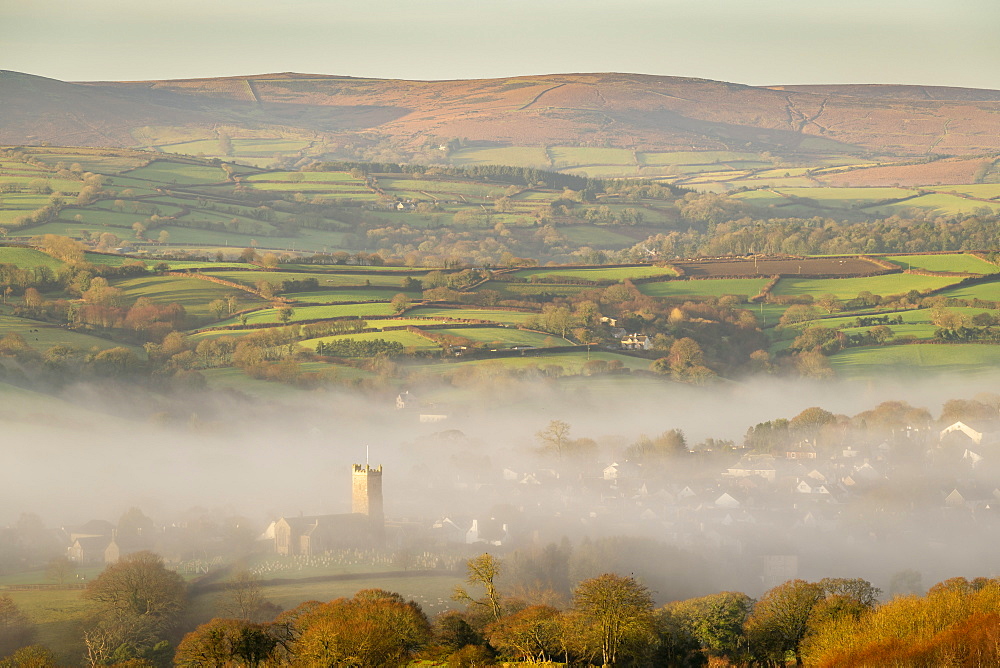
(636,342)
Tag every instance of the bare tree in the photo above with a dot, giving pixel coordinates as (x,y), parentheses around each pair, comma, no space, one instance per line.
(482,571)
(245,599)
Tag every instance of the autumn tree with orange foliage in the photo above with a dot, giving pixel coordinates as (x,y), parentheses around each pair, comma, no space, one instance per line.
(956,623)
(375,628)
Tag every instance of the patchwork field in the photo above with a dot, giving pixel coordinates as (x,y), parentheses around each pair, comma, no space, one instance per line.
(518,156)
(941,203)
(504,317)
(920,358)
(191,293)
(404,337)
(58,616)
(747,287)
(501,337)
(837,266)
(846,288)
(42,336)
(961,262)
(27,258)
(326,279)
(176,173)
(987,291)
(570,363)
(348,295)
(614,274)
(300,313)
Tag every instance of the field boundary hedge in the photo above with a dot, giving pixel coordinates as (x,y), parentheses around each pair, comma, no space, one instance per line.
(966,282)
(216,279)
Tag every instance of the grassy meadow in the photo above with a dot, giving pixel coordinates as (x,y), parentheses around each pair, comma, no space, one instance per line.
(916,359)
(846,288)
(962,262)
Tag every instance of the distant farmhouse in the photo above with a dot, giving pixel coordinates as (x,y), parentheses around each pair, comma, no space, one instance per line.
(636,342)
(363,527)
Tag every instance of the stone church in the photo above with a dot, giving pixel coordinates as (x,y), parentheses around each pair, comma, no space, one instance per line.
(363,527)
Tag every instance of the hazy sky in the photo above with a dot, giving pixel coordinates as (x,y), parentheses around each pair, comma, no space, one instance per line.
(935,42)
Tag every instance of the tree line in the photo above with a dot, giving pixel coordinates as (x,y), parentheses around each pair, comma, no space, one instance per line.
(608,620)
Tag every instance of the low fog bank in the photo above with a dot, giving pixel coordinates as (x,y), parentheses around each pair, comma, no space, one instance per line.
(90,454)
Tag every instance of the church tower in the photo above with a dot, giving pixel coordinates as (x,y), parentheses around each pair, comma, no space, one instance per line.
(366,499)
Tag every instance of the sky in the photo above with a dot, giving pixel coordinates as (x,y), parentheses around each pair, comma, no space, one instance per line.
(757,42)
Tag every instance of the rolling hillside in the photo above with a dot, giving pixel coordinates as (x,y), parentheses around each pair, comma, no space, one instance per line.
(627,111)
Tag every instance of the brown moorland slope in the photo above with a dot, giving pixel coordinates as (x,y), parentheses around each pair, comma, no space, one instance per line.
(619,110)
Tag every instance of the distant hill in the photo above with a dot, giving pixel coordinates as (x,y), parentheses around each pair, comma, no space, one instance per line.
(631,111)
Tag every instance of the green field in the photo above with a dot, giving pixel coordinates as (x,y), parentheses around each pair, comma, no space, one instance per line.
(713,287)
(961,262)
(98,216)
(58,616)
(338,372)
(846,288)
(517,156)
(178,173)
(348,295)
(137,186)
(417,186)
(980,190)
(492,315)
(306,177)
(361,273)
(616,274)
(74,230)
(309,187)
(910,317)
(16,205)
(42,336)
(571,362)
(778,172)
(847,197)
(571,156)
(192,293)
(235,379)
(987,291)
(519,290)
(93,160)
(760,197)
(382,323)
(407,338)
(26,181)
(909,360)
(781,183)
(27,258)
(187,235)
(504,337)
(263,147)
(270,315)
(206,265)
(110,260)
(941,203)
(218,333)
(326,279)
(695,157)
